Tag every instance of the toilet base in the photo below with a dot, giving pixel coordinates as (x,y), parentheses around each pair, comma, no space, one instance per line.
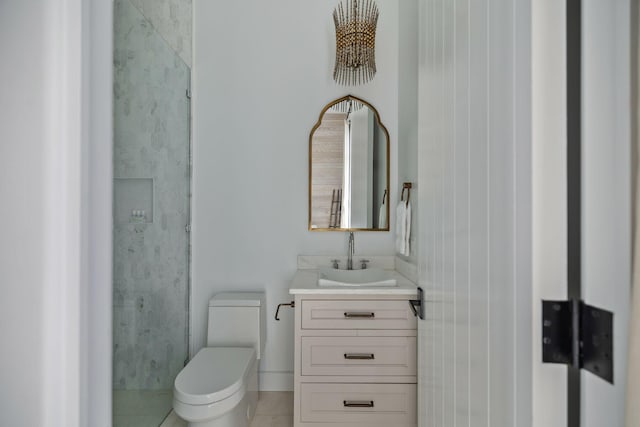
(240,415)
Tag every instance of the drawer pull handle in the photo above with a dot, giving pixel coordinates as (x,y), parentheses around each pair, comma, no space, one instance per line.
(359,356)
(357,404)
(367,315)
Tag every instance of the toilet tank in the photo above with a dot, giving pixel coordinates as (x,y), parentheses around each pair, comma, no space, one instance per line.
(237,319)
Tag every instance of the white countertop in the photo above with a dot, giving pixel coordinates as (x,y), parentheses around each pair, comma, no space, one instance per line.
(305,281)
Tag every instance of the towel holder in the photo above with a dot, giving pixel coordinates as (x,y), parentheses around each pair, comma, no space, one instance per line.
(406,186)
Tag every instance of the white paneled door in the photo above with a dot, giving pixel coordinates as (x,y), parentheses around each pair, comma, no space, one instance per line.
(494,201)
(475,218)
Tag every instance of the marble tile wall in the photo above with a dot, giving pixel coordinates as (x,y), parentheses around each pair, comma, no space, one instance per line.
(172,20)
(151,140)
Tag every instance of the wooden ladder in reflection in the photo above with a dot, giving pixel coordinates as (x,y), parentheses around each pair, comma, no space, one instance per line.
(336,208)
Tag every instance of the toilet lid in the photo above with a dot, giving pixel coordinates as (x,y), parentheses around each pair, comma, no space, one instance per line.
(214,374)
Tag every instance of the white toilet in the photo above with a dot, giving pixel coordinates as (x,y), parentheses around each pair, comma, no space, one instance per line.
(219,386)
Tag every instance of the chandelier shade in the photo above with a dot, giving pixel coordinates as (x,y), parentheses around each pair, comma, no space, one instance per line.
(355,22)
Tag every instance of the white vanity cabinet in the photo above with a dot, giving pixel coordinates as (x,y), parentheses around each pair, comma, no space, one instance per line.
(355,359)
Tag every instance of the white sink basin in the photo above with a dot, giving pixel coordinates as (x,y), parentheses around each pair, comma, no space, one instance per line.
(370,277)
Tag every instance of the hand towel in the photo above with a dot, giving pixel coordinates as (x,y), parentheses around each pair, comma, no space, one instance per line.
(401,226)
(407,233)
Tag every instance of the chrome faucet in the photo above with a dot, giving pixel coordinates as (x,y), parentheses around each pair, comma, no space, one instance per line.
(351,251)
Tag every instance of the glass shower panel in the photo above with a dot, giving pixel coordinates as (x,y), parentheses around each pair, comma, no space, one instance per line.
(151,212)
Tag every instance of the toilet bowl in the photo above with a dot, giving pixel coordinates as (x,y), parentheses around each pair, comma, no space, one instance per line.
(218,388)
(219,385)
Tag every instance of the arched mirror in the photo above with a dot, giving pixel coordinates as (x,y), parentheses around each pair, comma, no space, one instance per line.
(349,168)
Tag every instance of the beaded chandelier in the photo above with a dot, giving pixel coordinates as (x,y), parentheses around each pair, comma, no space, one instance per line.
(355,22)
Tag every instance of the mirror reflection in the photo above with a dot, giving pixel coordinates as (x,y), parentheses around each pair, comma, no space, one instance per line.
(349,168)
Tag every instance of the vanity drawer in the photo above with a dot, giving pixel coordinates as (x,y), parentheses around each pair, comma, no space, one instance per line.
(365,404)
(357,314)
(359,356)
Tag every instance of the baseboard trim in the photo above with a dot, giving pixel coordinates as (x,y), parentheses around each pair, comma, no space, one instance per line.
(276,381)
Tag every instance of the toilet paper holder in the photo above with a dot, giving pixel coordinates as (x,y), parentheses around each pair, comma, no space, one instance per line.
(291,304)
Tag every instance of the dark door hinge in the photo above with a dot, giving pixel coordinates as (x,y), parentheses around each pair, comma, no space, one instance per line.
(417,306)
(578,335)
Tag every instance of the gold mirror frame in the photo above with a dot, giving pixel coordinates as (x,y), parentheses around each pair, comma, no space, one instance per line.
(388,152)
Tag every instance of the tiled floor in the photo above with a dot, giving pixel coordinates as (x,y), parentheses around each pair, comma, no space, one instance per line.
(140,408)
(275,409)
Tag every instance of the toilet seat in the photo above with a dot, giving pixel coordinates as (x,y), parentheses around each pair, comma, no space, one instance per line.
(214,375)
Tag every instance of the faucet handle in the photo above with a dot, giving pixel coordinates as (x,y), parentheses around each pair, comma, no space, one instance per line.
(363,263)
(335,263)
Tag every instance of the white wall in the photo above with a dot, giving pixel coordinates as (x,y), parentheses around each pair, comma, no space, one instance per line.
(408,114)
(606,189)
(54,251)
(97,181)
(262,72)
(475,206)
(22,175)
(606,192)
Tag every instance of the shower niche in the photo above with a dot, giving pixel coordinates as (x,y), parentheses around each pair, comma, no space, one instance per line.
(133,200)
